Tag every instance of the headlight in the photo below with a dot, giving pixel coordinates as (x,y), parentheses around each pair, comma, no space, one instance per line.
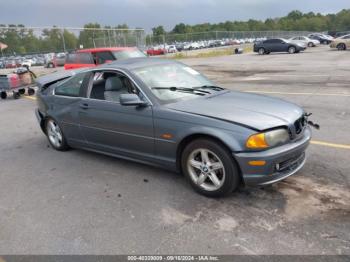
(268,139)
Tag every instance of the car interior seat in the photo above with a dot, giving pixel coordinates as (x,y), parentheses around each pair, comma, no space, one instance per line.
(114,88)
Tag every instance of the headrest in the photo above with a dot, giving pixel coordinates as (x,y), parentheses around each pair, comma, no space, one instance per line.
(113,83)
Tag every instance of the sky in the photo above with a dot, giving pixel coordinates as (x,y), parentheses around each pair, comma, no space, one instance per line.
(150,13)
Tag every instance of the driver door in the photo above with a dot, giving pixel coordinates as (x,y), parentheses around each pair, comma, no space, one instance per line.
(111,127)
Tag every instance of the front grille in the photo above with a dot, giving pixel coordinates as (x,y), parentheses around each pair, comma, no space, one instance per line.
(291,163)
(300,124)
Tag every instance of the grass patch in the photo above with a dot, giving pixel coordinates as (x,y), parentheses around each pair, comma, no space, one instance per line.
(210,53)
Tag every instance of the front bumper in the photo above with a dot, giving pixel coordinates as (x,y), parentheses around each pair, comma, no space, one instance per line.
(281,162)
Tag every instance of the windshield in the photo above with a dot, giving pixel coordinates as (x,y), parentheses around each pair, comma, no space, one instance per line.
(162,79)
(125,54)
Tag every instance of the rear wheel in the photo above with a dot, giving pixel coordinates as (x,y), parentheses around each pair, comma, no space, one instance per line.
(261,51)
(341,47)
(3,95)
(31,91)
(310,44)
(291,50)
(209,167)
(55,135)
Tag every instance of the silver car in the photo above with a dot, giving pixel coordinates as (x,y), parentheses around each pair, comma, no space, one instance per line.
(164,113)
(304,40)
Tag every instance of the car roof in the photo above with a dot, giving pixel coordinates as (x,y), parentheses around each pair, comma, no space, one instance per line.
(103,49)
(133,63)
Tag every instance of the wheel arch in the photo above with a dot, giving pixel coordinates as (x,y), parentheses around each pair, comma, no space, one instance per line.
(194,136)
(341,43)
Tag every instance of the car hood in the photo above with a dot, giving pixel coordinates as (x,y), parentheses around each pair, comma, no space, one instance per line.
(254,111)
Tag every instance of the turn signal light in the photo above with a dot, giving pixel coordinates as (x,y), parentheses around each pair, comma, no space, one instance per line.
(257,141)
(257,163)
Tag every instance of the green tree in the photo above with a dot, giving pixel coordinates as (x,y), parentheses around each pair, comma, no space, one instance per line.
(158,31)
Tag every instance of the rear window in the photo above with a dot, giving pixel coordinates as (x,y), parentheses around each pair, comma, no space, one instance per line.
(125,54)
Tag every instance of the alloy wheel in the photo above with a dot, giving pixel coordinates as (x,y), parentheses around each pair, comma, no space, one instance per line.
(206,169)
(54,133)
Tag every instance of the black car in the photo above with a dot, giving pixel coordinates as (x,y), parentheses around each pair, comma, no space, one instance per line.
(321,38)
(277,45)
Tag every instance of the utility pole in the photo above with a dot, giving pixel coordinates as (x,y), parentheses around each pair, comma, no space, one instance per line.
(64,42)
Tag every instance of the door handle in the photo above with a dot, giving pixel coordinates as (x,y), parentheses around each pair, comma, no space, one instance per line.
(84,106)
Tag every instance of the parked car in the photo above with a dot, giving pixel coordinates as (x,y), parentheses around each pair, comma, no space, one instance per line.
(97,56)
(10,64)
(341,43)
(27,63)
(305,41)
(57,60)
(171,49)
(164,113)
(278,45)
(320,37)
(152,51)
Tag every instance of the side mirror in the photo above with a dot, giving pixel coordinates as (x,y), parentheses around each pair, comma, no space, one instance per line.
(131,100)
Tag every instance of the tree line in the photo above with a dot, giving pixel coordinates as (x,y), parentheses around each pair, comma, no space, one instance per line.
(294,21)
(22,40)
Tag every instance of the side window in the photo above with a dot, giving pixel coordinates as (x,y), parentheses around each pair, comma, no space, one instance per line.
(71,87)
(102,57)
(110,85)
(84,58)
(71,58)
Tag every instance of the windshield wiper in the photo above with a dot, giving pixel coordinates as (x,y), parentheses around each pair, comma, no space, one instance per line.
(216,88)
(182,89)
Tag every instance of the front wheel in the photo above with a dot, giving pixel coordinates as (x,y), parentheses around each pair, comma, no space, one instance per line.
(55,136)
(310,44)
(261,51)
(291,50)
(210,168)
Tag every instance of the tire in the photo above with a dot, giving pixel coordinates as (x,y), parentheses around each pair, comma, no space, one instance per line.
(261,51)
(341,47)
(16,95)
(210,169)
(31,91)
(55,135)
(21,91)
(310,44)
(3,95)
(50,65)
(291,49)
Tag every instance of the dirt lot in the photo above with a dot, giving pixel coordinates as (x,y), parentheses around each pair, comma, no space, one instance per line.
(84,203)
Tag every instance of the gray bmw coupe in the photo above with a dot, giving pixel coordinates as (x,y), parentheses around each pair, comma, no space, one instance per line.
(164,113)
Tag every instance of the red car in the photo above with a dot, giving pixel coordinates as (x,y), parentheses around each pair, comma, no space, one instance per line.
(97,56)
(155,51)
